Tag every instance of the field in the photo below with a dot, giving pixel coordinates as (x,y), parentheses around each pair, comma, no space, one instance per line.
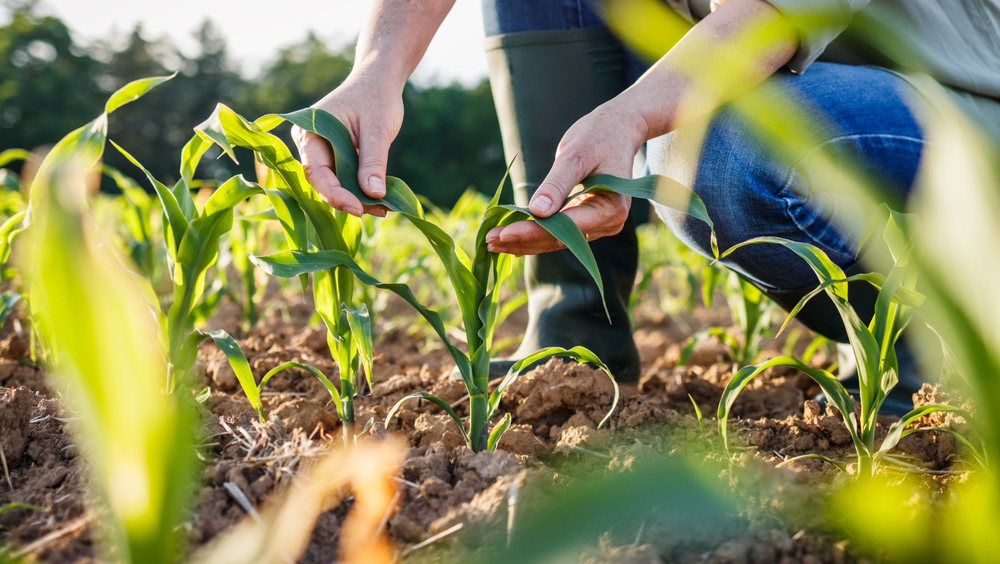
(170,392)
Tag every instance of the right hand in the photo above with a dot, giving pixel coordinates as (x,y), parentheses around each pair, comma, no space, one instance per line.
(373,114)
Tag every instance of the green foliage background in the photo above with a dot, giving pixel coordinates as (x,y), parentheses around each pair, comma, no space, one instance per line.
(50,85)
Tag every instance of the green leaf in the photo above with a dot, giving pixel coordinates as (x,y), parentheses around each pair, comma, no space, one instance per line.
(562,227)
(817,259)
(10,228)
(238,361)
(191,156)
(176,220)
(10,155)
(497,433)
(896,432)
(334,392)
(398,197)
(133,91)
(8,300)
(361,332)
(660,189)
(436,400)
(289,264)
(580,354)
(231,193)
(832,387)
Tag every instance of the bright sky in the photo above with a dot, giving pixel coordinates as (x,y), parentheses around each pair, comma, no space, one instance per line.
(255,29)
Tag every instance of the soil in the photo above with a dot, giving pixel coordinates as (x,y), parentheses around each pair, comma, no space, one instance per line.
(553,443)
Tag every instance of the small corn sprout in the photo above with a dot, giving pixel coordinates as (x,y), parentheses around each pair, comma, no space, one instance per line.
(308,223)
(873,344)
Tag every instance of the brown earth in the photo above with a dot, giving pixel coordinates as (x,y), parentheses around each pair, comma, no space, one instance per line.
(555,410)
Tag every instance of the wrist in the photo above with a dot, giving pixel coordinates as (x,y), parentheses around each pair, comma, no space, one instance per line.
(630,119)
(379,74)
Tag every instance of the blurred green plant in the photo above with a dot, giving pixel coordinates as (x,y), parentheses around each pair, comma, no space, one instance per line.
(101,328)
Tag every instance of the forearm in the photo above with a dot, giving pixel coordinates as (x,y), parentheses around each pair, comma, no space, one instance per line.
(724,55)
(395,37)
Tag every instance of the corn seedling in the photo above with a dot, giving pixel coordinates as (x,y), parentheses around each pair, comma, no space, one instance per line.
(238,361)
(476,282)
(193,238)
(749,308)
(308,223)
(142,243)
(873,344)
(246,238)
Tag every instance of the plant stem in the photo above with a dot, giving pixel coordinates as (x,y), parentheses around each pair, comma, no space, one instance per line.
(478,431)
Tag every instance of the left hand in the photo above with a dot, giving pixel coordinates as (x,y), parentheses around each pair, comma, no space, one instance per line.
(604,141)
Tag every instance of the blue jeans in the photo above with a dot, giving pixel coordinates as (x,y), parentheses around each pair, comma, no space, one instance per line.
(861,117)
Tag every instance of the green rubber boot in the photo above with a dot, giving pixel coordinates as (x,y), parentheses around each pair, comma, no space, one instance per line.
(542,83)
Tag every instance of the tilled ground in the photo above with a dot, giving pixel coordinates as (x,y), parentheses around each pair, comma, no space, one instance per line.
(555,410)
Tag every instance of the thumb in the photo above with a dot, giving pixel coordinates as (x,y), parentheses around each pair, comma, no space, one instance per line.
(566,173)
(373,154)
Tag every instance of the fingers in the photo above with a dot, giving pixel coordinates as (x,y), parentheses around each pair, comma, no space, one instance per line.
(597,215)
(318,164)
(373,153)
(567,170)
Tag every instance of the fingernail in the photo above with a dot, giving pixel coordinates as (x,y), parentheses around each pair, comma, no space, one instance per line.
(507,237)
(376,186)
(492,248)
(540,204)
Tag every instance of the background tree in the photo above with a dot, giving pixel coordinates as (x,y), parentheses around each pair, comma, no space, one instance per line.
(450,139)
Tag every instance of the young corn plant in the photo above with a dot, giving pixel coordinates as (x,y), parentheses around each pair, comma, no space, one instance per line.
(475,281)
(749,308)
(310,225)
(193,237)
(873,344)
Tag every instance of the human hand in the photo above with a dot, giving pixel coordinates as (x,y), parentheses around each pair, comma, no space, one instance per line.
(604,141)
(373,114)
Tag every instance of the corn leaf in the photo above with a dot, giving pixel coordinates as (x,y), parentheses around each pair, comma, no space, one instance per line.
(361,333)
(897,431)
(8,156)
(177,221)
(289,264)
(580,354)
(191,156)
(833,389)
(8,300)
(398,197)
(497,433)
(133,91)
(104,343)
(660,189)
(434,399)
(240,365)
(9,229)
(334,392)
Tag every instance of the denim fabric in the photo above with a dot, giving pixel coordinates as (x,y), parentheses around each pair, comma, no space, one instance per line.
(512,16)
(860,115)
